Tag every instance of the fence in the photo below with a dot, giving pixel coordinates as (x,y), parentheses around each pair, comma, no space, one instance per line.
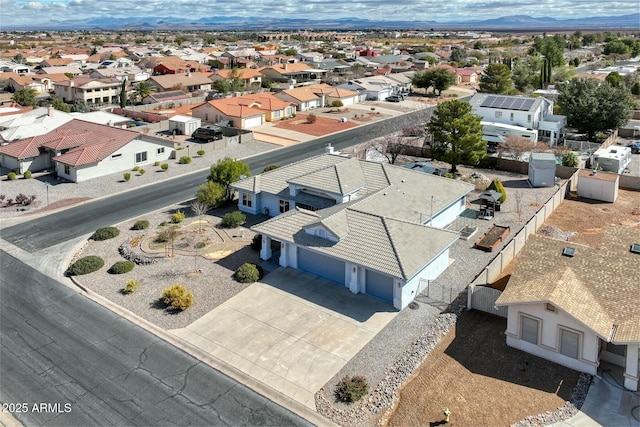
(494,269)
(484,299)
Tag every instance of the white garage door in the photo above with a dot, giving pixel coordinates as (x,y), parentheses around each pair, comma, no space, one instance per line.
(252,121)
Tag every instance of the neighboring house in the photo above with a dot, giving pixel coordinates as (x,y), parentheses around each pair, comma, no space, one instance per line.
(68,69)
(373,228)
(295,73)
(56,62)
(176,65)
(373,88)
(27,82)
(467,75)
(168,96)
(48,80)
(31,123)
(319,95)
(524,112)
(131,74)
(80,150)
(12,67)
(576,305)
(245,111)
(90,90)
(251,77)
(190,82)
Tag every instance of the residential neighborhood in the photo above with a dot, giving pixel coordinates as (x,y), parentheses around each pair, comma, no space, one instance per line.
(366,228)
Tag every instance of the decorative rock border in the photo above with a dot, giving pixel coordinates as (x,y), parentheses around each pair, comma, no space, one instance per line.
(127,252)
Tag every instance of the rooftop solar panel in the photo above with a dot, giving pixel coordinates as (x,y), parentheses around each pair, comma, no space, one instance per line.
(508,103)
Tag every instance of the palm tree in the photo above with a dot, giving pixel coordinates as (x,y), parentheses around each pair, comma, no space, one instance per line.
(143,89)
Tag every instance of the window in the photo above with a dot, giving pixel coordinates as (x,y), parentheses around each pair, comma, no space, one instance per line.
(569,343)
(511,117)
(160,150)
(284,206)
(550,307)
(498,114)
(116,156)
(67,170)
(276,113)
(141,157)
(529,329)
(247,200)
(529,118)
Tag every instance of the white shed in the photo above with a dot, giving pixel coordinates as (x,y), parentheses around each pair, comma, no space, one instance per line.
(184,125)
(598,185)
(542,169)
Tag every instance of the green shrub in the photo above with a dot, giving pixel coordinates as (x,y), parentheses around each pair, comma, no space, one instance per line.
(496,185)
(27,175)
(136,169)
(85,265)
(11,176)
(177,297)
(352,389)
(448,175)
(635,89)
(156,163)
(121,267)
(200,152)
(184,160)
(337,103)
(247,273)
(200,245)
(233,220)
(105,233)
(140,224)
(130,287)
(164,166)
(141,171)
(256,242)
(177,217)
(570,159)
(127,176)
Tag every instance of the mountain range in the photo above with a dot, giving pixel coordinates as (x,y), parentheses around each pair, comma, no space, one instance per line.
(518,23)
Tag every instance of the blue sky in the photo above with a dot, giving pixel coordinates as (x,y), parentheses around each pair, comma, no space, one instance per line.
(15,13)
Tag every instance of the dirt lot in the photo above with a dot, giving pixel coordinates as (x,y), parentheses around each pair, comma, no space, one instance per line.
(481,380)
(325,124)
(588,217)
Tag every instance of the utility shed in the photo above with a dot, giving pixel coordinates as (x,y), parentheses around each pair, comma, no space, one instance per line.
(598,185)
(184,125)
(542,169)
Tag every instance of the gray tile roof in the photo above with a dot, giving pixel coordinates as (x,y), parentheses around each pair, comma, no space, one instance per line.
(342,178)
(599,287)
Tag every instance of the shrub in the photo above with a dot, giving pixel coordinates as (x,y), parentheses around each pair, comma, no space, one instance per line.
(141,171)
(635,89)
(496,185)
(105,233)
(200,152)
(256,242)
(311,118)
(184,160)
(27,175)
(177,217)
(164,166)
(570,159)
(448,175)
(136,169)
(233,220)
(121,267)
(156,163)
(337,103)
(200,245)
(352,389)
(127,176)
(177,297)
(270,168)
(85,265)
(11,176)
(247,273)
(130,287)
(140,224)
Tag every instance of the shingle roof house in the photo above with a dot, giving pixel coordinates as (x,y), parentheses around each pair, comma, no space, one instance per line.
(374,228)
(580,309)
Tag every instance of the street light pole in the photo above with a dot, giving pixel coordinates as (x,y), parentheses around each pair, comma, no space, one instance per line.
(47,185)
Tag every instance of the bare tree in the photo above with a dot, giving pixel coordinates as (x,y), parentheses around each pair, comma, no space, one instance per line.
(518,199)
(399,137)
(200,209)
(168,236)
(516,146)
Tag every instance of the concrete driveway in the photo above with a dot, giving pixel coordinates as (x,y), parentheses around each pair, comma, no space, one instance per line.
(293,331)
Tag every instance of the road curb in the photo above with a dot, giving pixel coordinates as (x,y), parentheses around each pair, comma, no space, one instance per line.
(208,359)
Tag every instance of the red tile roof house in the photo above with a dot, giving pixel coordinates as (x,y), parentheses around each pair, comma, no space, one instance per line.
(79,151)
(252,78)
(467,75)
(245,111)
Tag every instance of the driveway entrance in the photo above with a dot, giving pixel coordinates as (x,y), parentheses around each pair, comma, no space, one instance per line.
(293,331)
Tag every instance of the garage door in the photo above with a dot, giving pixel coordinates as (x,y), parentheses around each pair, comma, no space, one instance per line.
(321,265)
(379,286)
(250,122)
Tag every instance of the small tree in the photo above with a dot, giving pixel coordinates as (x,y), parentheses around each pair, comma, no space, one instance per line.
(25,97)
(60,105)
(233,220)
(176,297)
(199,209)
(227,171)
(570,159)
(496,185)
(211,194)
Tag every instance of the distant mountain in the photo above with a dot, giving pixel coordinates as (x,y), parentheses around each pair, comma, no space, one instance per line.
(506,23)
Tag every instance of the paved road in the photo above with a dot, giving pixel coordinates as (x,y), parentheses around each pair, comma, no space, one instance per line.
(59,347)
(52,229)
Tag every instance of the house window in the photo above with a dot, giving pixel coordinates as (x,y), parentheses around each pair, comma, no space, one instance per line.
(141,157)
(160,150)
(116,156)
(284,206)
(569,343)
(67,170)
(247,200)
(529,329)
(511,116)
(550,307)
(276,113)
(529,118)
(498,114)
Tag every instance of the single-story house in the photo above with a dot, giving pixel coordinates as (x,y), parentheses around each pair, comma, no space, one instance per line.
(376,88)
(245,111)
(577,305)
(300,72)
(80,150)
(374,228)
(190,82)
(249,76)
(168,96)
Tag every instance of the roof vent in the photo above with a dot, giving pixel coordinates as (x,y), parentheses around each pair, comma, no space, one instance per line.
(569,251)
(635,248)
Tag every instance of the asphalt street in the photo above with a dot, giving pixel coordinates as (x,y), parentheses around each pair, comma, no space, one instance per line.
(67,361)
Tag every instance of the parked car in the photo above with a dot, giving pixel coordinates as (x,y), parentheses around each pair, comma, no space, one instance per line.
(635,147)
(394,98)
(208,133)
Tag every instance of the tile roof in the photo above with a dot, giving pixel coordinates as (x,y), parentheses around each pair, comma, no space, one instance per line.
(167,81)
(249,105)
(599,287)
(243,73)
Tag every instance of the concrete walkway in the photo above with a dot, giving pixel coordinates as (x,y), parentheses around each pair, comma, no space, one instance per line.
(292,332)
